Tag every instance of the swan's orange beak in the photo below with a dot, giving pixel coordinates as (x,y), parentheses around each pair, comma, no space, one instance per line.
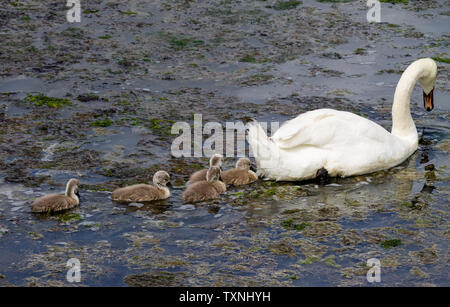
(428,101)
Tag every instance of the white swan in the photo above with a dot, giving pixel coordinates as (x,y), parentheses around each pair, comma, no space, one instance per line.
(343,143)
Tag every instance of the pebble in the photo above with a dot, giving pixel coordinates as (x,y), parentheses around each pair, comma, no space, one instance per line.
(187,207)
(137,205)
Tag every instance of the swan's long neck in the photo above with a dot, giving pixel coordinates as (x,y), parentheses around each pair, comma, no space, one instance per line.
(160,186)
(402,122)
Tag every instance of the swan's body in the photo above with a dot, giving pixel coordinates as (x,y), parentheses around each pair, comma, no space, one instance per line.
(58,202)
(343,143)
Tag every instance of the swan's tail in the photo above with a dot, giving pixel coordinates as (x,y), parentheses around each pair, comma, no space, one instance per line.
(264,150)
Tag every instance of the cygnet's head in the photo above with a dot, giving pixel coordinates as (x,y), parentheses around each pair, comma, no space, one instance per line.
(216,160)
(161,178)
(243,163)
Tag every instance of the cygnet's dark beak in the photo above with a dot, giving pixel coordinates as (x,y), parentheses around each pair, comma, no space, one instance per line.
(77,193)
(252,168)
(169,184)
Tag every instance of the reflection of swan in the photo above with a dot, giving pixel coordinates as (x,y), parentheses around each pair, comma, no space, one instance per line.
(343,143)
(58,202)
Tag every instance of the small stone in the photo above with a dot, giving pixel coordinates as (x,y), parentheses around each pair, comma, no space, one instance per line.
(137,205)
(187,207)
(430,167)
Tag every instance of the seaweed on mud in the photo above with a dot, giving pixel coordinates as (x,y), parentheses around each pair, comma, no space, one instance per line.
(426,256)
(88,97)
(282,247)
(69,217)
(286,5)
(360,51)
(290,225)
(395,1)
(102,123)
(335,1)
(142,79)
(156,278)
(391,243)
(442,60)
(51,102)
(181,42)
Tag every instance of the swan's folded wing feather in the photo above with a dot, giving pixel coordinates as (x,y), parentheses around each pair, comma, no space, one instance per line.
(138,192)
(53,203)
(326,127)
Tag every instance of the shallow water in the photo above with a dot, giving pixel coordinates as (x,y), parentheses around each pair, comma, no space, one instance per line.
(146,76)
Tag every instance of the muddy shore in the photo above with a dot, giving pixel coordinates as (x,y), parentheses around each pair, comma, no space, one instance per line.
(96,100)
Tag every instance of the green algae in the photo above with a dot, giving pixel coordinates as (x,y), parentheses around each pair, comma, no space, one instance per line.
(309,260)
(248,59)
(51,102)
(290,225)
(69,217)
(335,1)
(360,51)
(181,42)
(442,60)
(391,243)
(330,261)
(129,13)
(90,11)
(286,5)
(102,123)
(395,1)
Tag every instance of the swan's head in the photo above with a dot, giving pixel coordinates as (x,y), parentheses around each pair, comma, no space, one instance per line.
(161,178)
(216,160)
(213,174)
(427,81)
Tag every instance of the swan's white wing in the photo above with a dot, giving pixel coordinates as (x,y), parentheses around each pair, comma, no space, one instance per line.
(326,128)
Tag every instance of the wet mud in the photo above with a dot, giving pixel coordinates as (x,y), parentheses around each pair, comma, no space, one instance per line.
(96,100)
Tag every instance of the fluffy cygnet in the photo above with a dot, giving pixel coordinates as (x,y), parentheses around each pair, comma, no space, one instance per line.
(206,189)
(241,174)
(216,160)
(145,192)
(58,202)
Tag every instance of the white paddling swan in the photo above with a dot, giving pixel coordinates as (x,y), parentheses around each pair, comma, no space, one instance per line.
(343,143)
